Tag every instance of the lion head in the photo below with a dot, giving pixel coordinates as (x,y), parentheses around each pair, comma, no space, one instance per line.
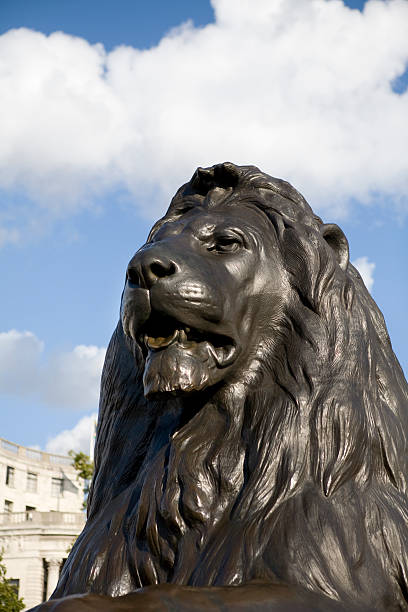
(202,298)
(253,417)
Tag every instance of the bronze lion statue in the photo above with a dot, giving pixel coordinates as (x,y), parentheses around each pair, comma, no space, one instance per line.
(252,446)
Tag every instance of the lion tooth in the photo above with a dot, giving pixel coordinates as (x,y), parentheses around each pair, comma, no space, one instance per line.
(182,335)
(224,355)
(160,341)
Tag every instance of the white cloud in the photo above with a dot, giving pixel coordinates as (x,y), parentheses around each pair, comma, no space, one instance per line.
(69,379)
(299,87)
(366,269)
(78,438)
(75,377)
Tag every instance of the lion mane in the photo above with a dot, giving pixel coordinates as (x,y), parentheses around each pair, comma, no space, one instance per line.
(303,482)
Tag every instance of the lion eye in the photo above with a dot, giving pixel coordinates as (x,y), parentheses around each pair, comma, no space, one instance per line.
(226,243)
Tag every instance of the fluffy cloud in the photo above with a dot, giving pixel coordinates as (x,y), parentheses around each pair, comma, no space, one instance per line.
(75,377)
(366,269)
(78,438)
(68,379)
(301,88)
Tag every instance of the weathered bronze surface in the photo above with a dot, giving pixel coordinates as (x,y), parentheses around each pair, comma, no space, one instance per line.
(252,442)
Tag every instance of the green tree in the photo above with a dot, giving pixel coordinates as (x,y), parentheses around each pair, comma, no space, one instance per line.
(9,600)
(83,465)
(84,468)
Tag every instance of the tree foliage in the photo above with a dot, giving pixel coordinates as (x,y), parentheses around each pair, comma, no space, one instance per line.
(9,600)
(82,463)
(84,468)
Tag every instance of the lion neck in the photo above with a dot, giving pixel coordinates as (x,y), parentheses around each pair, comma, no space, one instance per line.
(187,486)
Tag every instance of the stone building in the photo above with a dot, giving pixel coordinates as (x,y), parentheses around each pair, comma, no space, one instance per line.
(40,517)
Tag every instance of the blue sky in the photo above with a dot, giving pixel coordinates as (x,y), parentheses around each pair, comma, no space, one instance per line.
(97,138)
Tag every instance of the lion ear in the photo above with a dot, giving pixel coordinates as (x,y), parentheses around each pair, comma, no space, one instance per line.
(335,238)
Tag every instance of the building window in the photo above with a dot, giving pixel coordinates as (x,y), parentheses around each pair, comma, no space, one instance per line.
(8,505)
(45,580)
(32,482)
(10,476)
(29,513)
(57,487)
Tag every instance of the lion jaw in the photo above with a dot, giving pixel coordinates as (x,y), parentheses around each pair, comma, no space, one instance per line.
(181,359)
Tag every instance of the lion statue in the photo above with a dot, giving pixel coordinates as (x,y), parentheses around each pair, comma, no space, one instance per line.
(252,446)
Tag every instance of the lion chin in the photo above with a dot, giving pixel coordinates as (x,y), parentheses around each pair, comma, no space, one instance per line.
(179,369)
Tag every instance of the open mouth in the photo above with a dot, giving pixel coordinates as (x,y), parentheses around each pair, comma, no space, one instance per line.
(159,332)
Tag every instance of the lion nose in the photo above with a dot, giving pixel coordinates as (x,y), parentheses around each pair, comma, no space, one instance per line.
(147,269)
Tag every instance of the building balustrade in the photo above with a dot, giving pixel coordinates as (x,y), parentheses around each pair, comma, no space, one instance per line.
(31,454)
(35,517)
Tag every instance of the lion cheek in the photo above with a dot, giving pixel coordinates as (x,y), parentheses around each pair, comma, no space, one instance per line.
(176,370)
